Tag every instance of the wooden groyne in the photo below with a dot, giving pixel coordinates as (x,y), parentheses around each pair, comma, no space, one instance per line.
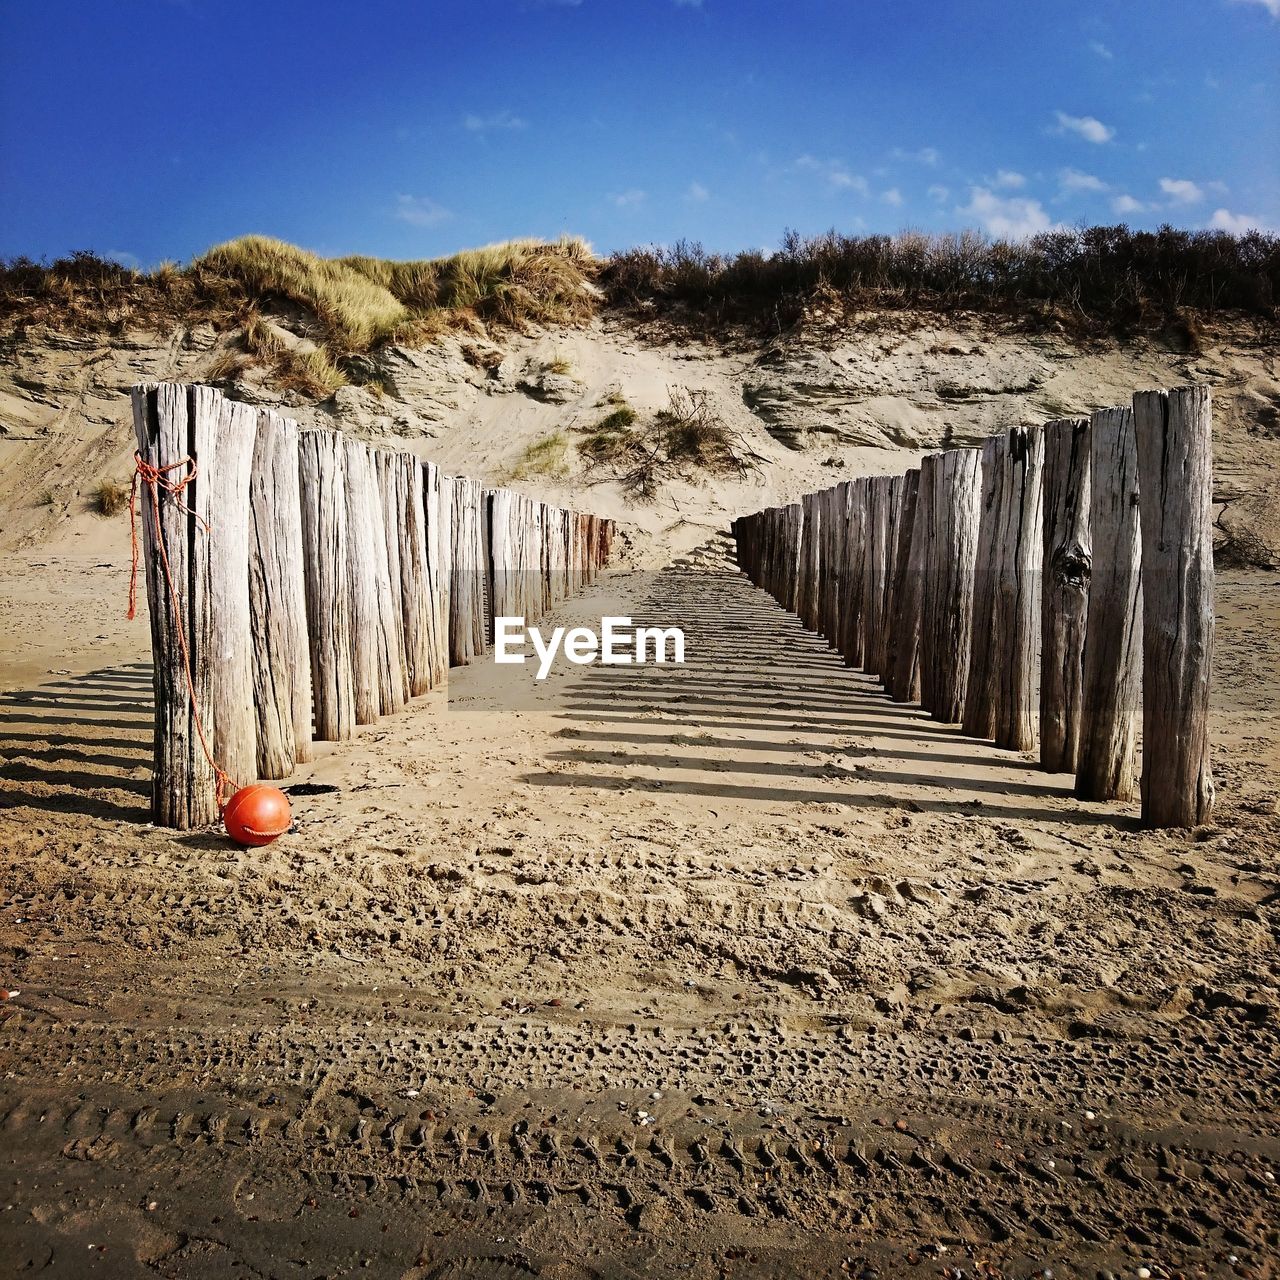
(1034,590)
(301,583)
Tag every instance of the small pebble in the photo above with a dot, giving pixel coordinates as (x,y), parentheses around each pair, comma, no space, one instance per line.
(1144,1273)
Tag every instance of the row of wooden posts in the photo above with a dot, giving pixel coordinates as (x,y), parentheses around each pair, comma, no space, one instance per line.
(310,582)
(1083,547)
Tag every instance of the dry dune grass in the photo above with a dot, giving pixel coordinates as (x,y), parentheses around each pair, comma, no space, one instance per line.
(346,305)
(360,301)
(1089,280)
(353,309)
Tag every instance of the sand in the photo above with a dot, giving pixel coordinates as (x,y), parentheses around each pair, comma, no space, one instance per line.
(735,968)
(729,969)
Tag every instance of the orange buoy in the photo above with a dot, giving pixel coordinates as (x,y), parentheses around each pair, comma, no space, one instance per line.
(256,815)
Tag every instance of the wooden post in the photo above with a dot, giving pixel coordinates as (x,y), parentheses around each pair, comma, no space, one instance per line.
(498,505)
(1175,469)
(791,562)
(881,490)
(387,469)
(438,510)
(811,561)
(873,570)
(853,640)
(1113,622)
(902,658)
(322,483)
(362,583)
(1017,606)
(1064,601)
(415,599)
(831,565)
(464,585)
(911,638)
(893,519)
(235,718)
(947,610)
(393,680)
(168,431)
(278,600)
(980,694)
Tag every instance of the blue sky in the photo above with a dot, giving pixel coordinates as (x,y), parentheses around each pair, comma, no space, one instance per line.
(151,129)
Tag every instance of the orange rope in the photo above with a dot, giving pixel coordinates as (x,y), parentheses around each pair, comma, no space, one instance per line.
(157,479)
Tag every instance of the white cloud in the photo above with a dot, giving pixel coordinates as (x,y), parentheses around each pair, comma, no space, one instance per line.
(697,193)
(421,211)
(1008,178)
(1088,127)
(1271,6)
(1101,50)
(893,196)
(1181,190)
(939,192)
(124,258)
(1074,180)
(1125,203)
(1239,223)
(1007,218)
(498,120)
(835,173)
(628,199)
(925,155)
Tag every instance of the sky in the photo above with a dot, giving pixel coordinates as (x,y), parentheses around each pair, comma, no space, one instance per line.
(149,130)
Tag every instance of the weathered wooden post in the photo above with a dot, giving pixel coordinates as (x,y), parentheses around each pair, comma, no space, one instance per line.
(322,483)
(791,565)
(393,679)
(174,439)
(498,507)
(545,553)
(873,567)
(438,509)
(1113,619)
(278,600)
(902,659)
(947,612)
(362,584)
(831,521)
(1064,604)
(387,472)
(415,599)
(811,561)
(464,583)
(1175,469)
(911,636)
(1017,611)
(980,695)
(853,640)
(893,529)
(235,718)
